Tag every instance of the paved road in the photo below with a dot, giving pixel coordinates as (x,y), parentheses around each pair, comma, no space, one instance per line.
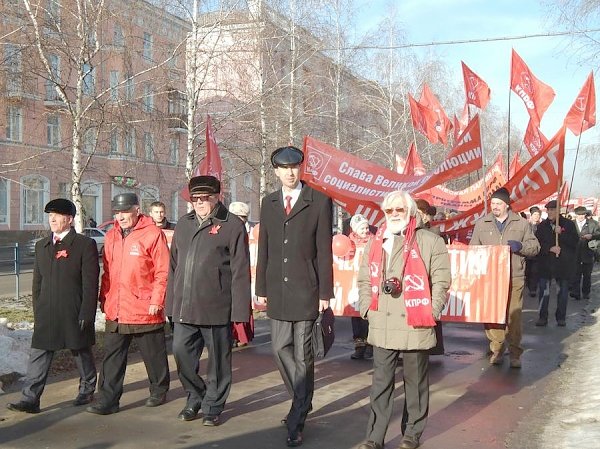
(473,405)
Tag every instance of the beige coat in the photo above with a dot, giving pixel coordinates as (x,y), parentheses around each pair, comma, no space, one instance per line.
(387,325)
(486,233)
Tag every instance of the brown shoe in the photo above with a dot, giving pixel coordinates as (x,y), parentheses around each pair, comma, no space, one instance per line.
(541,322)
(515,363)
(370,445)
(496,358)
(409,442)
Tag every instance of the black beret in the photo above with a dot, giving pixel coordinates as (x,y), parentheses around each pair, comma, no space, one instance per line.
(124,202)
(502,194)
(61,206)
(551,204)
(204,185)
(534,209)
(287,157)
(581,210)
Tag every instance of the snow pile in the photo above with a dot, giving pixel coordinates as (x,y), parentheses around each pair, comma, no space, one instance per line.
(14,349)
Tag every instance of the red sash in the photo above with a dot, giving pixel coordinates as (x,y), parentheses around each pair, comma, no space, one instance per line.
(415,281)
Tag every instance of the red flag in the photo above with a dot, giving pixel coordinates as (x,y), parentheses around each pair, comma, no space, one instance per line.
(423,119)
(211,164)
(477,90)
(536,95)
(413,166)
(515,165)
(442,124)
(534,140)
(582,114)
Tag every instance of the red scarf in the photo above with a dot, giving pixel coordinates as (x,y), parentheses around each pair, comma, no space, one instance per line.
(415,281)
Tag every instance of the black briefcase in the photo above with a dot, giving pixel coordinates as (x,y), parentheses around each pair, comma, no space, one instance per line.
(323,333)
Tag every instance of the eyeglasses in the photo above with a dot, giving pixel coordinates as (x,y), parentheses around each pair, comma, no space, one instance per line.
(201,198)
(391,210)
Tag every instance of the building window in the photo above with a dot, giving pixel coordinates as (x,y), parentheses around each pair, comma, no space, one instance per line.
(34,195)
(114,141)
(129,88)
(118,38)
(174,150)
(149,195)
(54,62)
(90,139)
(130,142)
(14,72)
(14,124)
(4,201)
(148,99)
(53,14)
(149,146)
(248,180)
(53,131)
(88,79)
(114,85)
(147,47)
(91,196)
(175,206)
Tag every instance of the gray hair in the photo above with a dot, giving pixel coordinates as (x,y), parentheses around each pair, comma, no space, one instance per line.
(408,201)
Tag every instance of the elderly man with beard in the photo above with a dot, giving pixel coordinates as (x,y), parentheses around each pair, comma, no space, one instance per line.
(503,227)
(403,281)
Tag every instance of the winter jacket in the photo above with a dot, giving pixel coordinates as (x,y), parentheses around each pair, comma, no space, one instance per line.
(563,266)
(209,275)
(517,228)
(584,253)
(387,325)
(135,273)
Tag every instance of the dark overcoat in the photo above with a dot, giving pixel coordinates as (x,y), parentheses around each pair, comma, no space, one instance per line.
(563,266)
(584,253)
(295,263)
(65,291)
(209,273)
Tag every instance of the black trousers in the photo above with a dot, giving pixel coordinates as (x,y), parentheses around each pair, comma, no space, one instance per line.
(416,393)
(360,328)
(39,367)
(188,343)
(582,281)
(292,346)
(154,353)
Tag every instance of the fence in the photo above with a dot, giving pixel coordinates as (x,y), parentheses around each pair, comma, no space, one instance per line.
(10,264)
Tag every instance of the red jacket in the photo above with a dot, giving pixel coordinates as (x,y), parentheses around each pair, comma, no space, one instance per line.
(135,273)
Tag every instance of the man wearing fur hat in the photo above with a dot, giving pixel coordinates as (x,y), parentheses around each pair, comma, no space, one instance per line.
(65,294)
(504,227)
(294,276)
(209,287)
(587,230)
(241,210)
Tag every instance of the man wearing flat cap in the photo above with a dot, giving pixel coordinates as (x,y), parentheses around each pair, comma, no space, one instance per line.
(504,227)
(65,295)
(209,287)
(555,261)
(294,276)
(587,230)
(132,295)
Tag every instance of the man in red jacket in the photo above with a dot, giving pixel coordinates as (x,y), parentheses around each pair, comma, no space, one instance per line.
(132,295)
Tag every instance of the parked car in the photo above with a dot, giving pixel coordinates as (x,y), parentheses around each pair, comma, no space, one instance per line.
(29,247)
(105,226)
(97,235)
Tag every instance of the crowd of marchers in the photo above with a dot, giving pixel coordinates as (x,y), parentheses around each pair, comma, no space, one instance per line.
(201,286)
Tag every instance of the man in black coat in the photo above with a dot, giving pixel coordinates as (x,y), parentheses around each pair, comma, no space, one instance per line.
(555,261)
(65,294)
(208,288)
(587,230)
(294,276)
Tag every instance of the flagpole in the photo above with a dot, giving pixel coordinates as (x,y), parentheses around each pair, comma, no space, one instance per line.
(508,143)
(575,163)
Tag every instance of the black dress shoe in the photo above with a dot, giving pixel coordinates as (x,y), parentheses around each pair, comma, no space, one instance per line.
(284,419)
(103,409)
(211,420)
(294,441)
(83,399)
(25,407)
(188,414)
(370,445)
(409,443)
(156,400)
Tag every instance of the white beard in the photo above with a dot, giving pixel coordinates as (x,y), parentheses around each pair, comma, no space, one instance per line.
(396,226)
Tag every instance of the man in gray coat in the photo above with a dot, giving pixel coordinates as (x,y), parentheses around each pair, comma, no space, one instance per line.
(401,297)
(208,288)
(294,276)
(65,296)
(588,230)
(503,227)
